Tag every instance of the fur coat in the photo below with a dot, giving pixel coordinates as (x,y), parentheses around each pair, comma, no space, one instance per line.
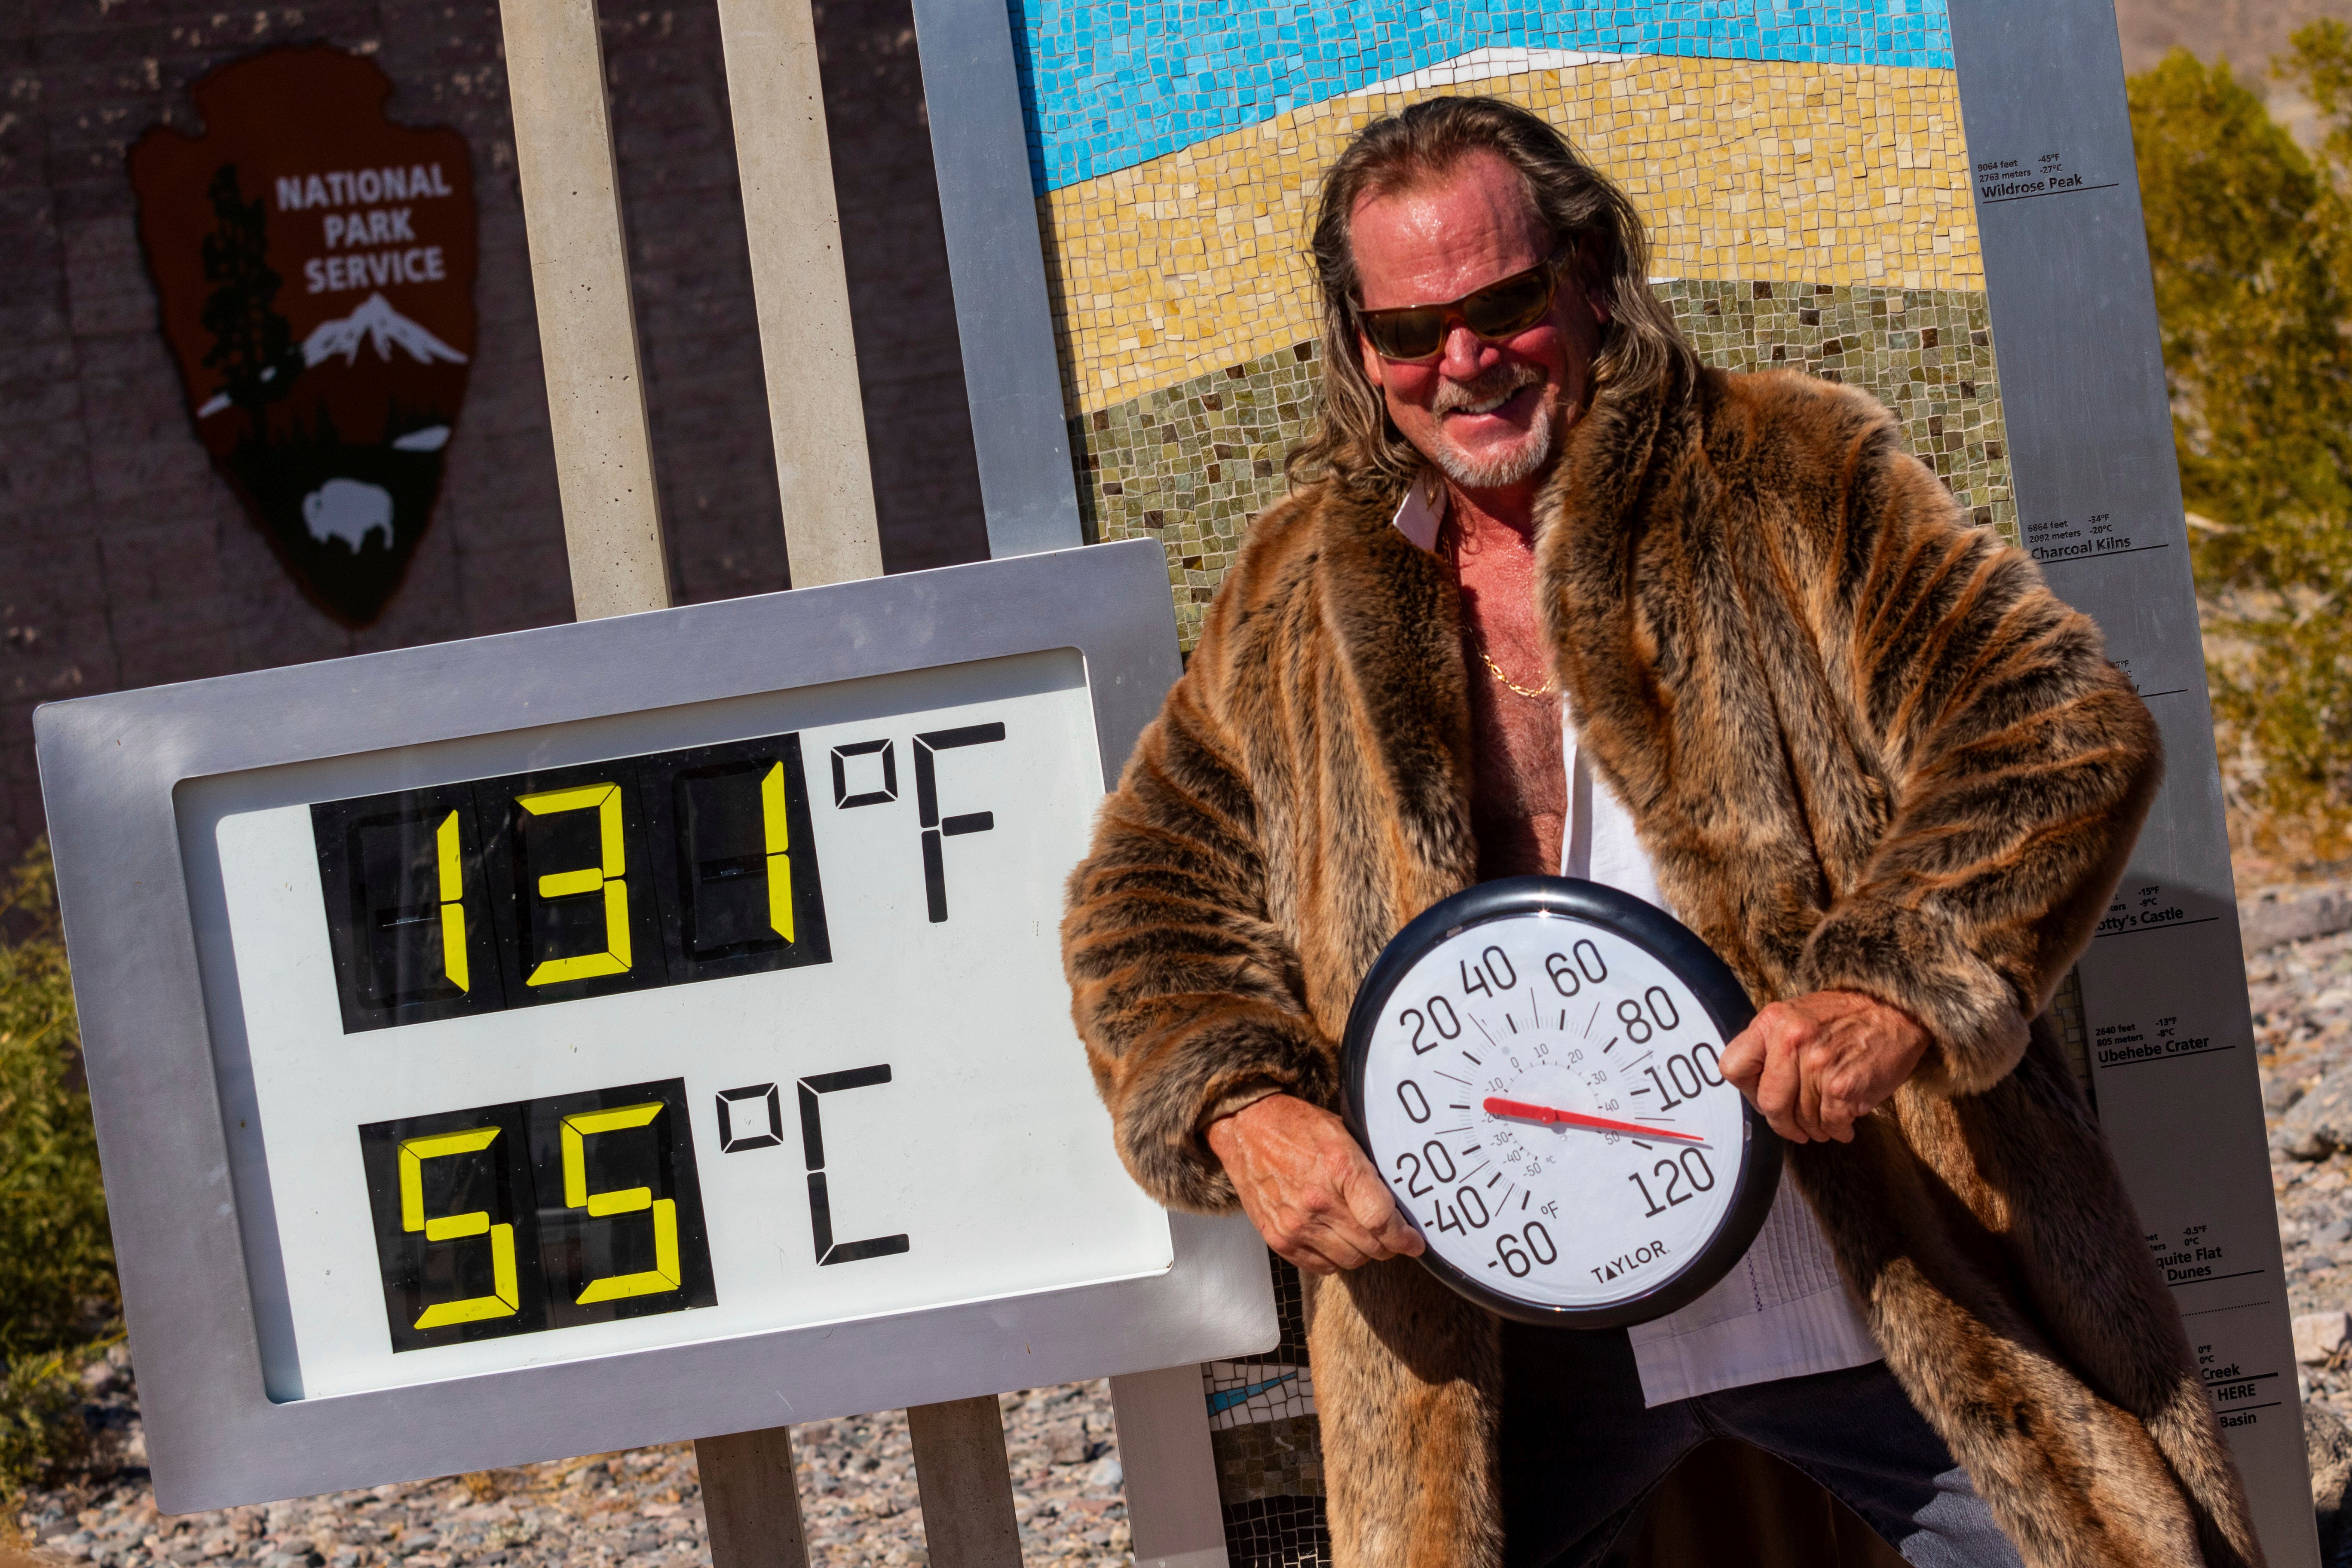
(1865,749)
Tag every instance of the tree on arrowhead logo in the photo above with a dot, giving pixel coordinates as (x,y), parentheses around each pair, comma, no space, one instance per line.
(313,265)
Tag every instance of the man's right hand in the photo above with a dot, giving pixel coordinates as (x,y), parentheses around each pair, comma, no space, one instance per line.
(1307,1187)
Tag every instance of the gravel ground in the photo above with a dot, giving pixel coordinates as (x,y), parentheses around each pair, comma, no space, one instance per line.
(643,1507)
(858,1476)
(2302,999)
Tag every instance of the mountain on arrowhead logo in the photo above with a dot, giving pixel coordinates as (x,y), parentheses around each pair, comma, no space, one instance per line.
(376,323)
(314,266)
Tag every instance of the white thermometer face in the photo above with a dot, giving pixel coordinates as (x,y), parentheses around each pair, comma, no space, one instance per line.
(1544,1098)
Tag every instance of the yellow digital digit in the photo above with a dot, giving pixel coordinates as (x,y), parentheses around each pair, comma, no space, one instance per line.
(414,1152)
(778,830)
(607,877)
(453,906)
(664,1274)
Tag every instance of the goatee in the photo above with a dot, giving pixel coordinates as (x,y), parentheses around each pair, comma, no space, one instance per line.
(1501,470)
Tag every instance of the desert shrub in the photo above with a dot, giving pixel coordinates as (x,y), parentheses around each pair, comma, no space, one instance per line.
(41,1427)
(57,1293)
(2250,242)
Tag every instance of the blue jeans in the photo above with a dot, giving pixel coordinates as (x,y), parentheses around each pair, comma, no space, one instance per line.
(1580,1453)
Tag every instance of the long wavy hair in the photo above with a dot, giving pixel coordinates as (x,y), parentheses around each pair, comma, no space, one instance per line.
(1353,441)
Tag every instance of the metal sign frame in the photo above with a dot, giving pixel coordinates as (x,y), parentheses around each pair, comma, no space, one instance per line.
(110,766)
(2167,1027)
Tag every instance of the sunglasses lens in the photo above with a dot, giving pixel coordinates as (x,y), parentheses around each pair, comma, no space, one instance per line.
(1511,306)
(1498,311)
(1405,334)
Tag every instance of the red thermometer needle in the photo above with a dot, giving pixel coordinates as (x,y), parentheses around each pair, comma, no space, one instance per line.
(1497,1106)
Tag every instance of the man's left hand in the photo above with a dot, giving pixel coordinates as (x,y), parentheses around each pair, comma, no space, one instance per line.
(1817,1064)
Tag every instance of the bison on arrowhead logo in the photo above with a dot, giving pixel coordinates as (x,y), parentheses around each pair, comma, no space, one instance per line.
(314,264)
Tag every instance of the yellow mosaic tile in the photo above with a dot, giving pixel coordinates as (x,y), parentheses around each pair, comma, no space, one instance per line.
(1853,176)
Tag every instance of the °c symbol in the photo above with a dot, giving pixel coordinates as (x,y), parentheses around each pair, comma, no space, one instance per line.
(772,1130)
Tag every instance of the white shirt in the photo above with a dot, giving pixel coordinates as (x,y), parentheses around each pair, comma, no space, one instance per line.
(1782,1312)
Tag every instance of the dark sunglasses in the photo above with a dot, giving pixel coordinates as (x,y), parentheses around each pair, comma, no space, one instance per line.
(1416,334)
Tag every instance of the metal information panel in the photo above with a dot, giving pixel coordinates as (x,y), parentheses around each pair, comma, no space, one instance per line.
(641,1029)
(2169,1037)
(1931,200)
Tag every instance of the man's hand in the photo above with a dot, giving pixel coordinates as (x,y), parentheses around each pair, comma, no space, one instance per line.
(1815,1065)
(1308,1188)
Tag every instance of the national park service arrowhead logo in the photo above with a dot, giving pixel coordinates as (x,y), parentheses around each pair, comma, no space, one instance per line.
(314,263)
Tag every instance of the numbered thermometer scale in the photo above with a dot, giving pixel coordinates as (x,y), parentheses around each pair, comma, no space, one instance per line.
(616,1033)
(1534,1065)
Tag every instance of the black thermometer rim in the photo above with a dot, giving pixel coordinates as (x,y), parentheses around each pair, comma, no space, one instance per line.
(1669,942)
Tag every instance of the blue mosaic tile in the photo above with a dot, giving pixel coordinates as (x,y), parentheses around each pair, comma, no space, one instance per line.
(1107,86)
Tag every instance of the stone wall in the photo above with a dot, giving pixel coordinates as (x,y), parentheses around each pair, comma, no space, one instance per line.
(123,560)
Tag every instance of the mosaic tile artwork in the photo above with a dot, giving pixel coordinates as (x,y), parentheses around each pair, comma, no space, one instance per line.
(1110,85)
(1841,174)
(1278,1532)
(1247,1393)
(1268,1449)
(1262,1460)
(1802,174)
(1192,464)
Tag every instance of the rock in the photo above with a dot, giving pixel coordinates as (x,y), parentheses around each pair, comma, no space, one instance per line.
(2320,1122)
(2274,919)
(2327,1446)
(639,1509)
(2319,1335)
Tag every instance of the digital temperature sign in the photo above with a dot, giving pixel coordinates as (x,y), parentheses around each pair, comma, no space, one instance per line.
(584,1016)
(491,1019)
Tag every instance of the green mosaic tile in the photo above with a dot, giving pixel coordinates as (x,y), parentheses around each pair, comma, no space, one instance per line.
(1283,1457)
(1190,465)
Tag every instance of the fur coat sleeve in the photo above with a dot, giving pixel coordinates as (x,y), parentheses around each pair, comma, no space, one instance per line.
(1189,997)
(2019,762)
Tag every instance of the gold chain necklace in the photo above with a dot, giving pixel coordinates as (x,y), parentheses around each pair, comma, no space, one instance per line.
(1450,542)
(1543,690)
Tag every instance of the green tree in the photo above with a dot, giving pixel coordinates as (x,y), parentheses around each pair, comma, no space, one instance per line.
(253,345)
(2242,234)
(2250,242)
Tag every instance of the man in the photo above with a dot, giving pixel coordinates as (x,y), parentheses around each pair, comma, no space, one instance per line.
(1849,741)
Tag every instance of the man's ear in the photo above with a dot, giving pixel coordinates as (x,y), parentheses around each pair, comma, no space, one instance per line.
(1595,299)
(1375,367)
(1579,277)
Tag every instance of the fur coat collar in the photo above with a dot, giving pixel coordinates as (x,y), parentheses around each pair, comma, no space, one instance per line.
(1864,748)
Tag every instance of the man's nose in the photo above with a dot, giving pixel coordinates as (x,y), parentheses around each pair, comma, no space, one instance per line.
(1465,352)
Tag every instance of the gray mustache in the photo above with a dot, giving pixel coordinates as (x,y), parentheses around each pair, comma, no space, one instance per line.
(1500,382)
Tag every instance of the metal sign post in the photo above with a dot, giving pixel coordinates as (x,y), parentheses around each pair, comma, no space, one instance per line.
(587,333)
(2170,1037)
(612,509)
(588,340)
(622,1032)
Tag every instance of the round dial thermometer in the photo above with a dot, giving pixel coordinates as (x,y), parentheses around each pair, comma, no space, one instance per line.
(1533,1065)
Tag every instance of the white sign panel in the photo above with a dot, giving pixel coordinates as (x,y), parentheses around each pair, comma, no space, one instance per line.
(644,1029)
(908,1118)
